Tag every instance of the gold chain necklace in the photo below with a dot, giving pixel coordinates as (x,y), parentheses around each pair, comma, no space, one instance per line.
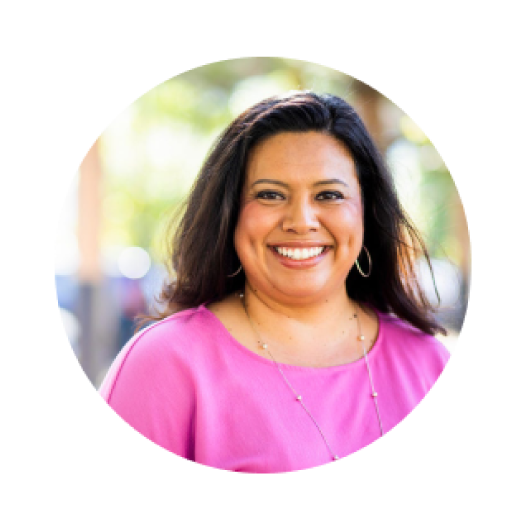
(297,396)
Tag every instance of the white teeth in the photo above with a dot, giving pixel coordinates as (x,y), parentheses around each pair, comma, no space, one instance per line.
(299,253)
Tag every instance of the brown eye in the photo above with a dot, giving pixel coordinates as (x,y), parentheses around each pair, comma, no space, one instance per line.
(329,196)
(269,195)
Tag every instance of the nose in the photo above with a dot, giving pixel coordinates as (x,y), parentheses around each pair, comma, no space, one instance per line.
(300,217)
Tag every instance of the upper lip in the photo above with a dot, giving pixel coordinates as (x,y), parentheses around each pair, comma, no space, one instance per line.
(300,244)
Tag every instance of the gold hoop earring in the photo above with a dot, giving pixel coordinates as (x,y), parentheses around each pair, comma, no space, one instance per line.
(236,272)
(370,264)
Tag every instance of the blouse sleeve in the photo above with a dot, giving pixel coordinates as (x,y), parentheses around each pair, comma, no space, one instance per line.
(150,387)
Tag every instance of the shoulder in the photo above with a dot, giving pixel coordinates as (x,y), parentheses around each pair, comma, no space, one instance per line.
(407,363)
(169,336)
(158,352)
(411,344)
(153,383)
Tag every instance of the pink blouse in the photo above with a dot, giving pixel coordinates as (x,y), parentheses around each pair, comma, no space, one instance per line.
(186,384)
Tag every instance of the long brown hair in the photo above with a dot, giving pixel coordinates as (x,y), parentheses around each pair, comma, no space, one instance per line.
(202,245)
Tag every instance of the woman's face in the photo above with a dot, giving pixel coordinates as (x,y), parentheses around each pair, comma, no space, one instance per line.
(300,227)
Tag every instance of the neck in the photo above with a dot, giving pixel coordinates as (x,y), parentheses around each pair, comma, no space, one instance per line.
(315,315)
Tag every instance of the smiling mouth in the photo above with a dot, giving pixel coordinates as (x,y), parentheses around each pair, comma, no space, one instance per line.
(299,254)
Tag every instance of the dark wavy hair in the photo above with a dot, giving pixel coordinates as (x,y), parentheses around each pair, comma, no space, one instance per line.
(202,245)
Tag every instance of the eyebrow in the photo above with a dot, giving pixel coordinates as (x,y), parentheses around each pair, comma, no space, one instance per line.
(285,185)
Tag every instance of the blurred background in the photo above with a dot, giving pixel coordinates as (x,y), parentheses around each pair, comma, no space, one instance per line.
(109,248)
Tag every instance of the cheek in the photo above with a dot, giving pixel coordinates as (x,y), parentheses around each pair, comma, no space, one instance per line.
(246,229)
(348,224)
(254,221)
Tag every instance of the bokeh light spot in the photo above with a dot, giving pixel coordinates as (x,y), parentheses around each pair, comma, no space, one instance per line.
(134,262)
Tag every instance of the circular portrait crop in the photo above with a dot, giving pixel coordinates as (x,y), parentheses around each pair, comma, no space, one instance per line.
(265,265)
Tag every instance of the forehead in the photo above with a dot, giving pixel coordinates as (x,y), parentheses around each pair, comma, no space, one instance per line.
(307,155)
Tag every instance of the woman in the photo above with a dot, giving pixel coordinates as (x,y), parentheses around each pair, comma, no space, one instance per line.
(296,332)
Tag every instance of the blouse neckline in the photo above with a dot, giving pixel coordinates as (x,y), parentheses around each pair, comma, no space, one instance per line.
(251,354)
